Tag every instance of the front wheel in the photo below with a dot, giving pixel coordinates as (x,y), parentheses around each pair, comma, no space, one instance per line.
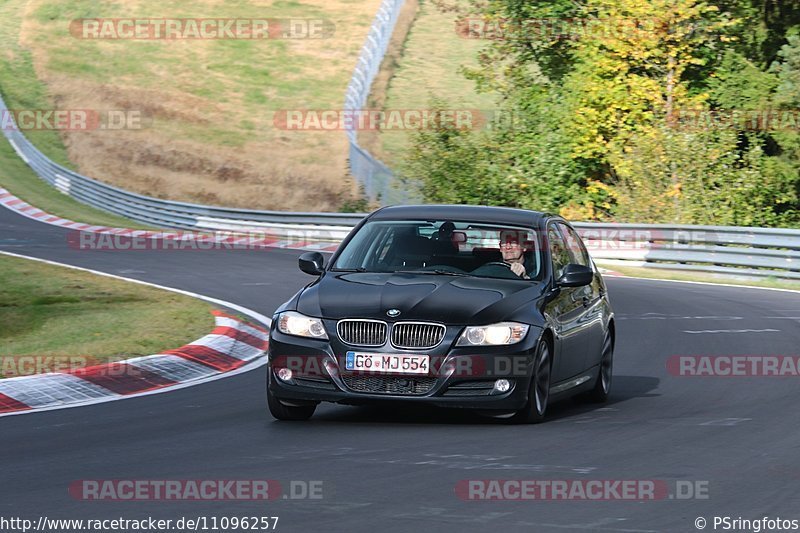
(288,412)
(539,392)
(602,387)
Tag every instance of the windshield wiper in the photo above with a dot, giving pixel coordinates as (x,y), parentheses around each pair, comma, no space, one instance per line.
(357,269)
(437,271)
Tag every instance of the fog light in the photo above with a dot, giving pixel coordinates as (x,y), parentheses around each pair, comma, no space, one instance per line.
(330,366)
(447,369)
(284,374)
(502,385)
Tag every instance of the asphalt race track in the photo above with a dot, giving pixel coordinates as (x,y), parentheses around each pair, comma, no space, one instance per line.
(395,470)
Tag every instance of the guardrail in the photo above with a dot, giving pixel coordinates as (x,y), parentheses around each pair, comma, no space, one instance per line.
(377,179)
(759,252)
(171,214)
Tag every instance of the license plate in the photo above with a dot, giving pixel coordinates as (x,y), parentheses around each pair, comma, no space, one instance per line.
(387,363)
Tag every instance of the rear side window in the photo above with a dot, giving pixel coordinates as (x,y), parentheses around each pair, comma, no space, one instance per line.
(577,250)
(559,253)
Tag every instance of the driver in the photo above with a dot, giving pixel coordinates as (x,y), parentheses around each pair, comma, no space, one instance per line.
(513,252)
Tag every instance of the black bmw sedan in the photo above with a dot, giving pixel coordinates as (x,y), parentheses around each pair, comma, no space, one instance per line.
(494,309)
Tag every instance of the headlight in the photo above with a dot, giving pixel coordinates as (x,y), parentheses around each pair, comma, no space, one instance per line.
(292,323)
(493,334)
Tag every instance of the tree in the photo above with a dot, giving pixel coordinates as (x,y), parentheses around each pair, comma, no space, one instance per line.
(602,111)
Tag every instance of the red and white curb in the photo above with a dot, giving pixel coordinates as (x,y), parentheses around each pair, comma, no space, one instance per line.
(23,208)
(229,347)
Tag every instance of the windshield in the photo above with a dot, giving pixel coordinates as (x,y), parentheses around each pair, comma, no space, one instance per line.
(445,247)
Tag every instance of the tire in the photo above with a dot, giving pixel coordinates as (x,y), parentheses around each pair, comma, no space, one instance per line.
(288,412)
(539,393)
(602,386)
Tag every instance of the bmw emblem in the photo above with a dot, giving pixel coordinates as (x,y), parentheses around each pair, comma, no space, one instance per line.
(393,312)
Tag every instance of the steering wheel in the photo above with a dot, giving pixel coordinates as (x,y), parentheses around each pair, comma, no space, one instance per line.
(508,266)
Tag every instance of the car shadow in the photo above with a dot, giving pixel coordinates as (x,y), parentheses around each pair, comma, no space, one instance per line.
(624,388)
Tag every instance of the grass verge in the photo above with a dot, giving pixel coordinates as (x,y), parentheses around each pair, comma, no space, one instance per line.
(19,85)
(50,311)
(678,275)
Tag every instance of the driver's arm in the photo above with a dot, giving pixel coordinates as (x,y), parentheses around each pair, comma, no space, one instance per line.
(519,270)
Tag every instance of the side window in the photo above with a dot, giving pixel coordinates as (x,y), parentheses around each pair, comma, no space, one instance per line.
(577,250)
(558,250)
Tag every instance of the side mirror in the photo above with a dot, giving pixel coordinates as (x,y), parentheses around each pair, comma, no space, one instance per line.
(575,275)
(312,263)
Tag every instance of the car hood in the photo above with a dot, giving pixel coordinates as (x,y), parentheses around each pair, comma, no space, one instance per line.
(439,298)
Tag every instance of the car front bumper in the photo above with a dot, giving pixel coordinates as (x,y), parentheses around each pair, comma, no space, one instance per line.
(459,377)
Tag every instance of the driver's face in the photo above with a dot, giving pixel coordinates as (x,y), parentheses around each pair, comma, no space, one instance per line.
(511,250)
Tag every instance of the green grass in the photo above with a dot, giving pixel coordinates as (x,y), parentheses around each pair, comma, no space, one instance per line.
(429,68)
(18,83)
(651,273)
(47,310)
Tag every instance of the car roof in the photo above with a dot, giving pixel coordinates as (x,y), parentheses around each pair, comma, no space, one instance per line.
(471,213)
